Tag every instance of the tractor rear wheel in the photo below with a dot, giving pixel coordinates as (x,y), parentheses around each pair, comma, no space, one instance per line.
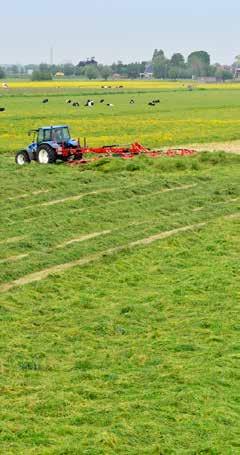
(22,158)
(46,155)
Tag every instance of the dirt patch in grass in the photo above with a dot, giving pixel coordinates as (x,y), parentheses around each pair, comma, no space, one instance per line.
(229,147)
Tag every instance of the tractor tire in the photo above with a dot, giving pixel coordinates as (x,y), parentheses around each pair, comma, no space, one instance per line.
(22,158)
(46,155)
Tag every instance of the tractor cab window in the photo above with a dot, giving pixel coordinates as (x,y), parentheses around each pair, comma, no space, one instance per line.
(47,135)
(44,135)
(61,134)
(65,134)
(57,135)
(40,136)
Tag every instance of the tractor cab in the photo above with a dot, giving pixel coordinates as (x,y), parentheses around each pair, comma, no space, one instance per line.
(57,134)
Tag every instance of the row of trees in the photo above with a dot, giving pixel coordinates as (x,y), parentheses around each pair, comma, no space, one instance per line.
(91,70)
(197,64)
(2,73)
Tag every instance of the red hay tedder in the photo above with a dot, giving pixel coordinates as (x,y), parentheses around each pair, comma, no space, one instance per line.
(54,143)
(125,152)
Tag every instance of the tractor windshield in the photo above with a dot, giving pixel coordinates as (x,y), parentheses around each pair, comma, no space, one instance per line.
(57,134)
(60,134)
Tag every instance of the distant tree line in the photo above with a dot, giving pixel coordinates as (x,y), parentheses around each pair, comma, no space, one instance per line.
(196,65)
(91,70)
(2,73)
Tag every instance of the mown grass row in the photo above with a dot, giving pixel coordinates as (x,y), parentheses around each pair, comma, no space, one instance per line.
(167,203)
(137,352)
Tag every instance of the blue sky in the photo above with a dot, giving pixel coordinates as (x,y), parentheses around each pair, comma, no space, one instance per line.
(119,29)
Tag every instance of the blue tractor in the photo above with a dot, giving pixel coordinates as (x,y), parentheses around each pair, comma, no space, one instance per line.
(49,144)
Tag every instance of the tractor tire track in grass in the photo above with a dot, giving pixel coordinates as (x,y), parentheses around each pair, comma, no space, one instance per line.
(12,240)
(199,209)
(96,234)
(13,258)
(74,198)
(93,235)
(83,237)
(80,196)
(118,201)
(24,195)
(42,274)
(155,193)
(69,198)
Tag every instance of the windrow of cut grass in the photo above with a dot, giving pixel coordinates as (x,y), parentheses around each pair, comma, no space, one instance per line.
(42,222)
(36,225)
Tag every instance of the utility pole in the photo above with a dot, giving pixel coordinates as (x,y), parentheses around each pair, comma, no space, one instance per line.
(51,56)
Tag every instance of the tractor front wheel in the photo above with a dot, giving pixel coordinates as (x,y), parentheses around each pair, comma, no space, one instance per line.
(46,155)
(22,158)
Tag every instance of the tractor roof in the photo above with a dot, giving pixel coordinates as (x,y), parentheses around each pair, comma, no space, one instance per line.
(53,126)
(46,128)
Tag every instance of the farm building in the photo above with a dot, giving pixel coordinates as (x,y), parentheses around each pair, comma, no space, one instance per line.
(206,79)
(148,72)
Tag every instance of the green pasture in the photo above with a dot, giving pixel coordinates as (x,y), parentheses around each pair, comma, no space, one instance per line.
(181,117)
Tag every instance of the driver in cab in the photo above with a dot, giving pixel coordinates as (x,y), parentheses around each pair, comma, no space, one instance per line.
(57,135)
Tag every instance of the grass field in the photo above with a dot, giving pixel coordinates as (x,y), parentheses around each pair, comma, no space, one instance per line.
(119,280)
(120,299)
(208,113)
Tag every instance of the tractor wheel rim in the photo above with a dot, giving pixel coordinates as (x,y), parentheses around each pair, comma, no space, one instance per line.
(21,159)
(43,156)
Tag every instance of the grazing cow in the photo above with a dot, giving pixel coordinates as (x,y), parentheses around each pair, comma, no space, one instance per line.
(131,102)
(156,101)
(45,100)
(2,109)
(75,104)
(68,101)
(102,101)
(110,104)
(151,103)
(89,103)
(5,85)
